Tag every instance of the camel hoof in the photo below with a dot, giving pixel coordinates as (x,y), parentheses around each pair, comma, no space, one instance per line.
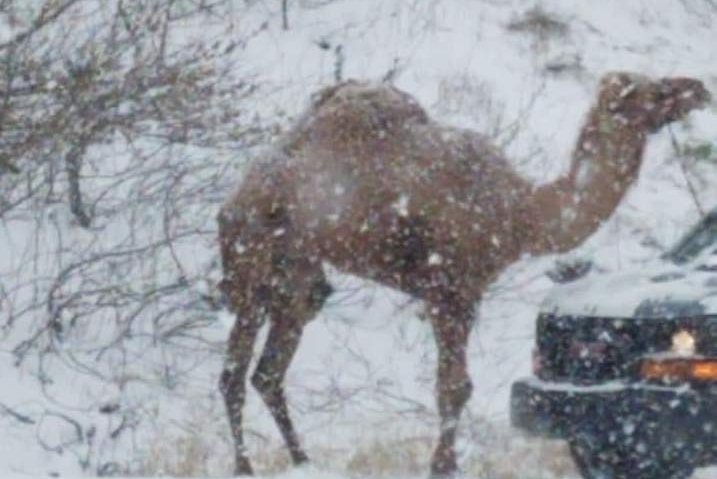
(299,458)
(443,470)
(443,474)
(243,468)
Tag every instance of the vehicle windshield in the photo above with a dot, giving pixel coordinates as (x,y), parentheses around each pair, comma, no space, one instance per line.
(695,242)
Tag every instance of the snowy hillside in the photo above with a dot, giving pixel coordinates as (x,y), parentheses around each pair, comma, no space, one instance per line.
(361,388)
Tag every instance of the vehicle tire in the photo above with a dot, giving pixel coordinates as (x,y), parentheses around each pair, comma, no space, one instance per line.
(604,456)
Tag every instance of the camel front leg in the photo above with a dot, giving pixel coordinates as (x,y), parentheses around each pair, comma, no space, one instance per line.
(451,327)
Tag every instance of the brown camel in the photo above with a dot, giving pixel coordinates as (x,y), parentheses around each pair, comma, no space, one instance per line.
(367,182)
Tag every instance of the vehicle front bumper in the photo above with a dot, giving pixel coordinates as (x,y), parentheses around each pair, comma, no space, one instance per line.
(554,410)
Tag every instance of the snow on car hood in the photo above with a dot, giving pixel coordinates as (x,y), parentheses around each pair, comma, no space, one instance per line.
(657,290)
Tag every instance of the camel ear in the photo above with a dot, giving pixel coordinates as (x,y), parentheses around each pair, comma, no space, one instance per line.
(616,80)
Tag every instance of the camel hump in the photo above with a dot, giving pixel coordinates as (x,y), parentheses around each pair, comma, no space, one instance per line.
(325,94)
(380,101)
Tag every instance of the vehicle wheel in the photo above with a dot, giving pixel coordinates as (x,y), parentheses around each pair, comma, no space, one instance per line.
(598,457)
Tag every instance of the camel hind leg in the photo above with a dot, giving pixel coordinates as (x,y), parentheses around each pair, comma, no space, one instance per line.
(247,271)
(304,292)
(281,345)
(233,382)
(298,292)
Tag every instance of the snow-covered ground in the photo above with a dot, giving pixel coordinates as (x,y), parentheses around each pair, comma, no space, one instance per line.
(361,386)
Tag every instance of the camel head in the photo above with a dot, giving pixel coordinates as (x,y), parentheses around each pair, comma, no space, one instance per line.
(650,103)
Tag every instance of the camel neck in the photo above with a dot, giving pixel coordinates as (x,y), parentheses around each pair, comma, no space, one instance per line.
(605,162)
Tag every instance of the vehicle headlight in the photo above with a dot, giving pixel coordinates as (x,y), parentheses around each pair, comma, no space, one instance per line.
(682,364)
(683,343)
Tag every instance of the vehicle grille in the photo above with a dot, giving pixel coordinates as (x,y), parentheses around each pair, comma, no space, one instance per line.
(588,350)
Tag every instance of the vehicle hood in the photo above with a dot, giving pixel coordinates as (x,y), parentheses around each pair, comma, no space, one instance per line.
(658,290)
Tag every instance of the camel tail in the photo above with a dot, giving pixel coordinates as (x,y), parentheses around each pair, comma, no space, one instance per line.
(227,232)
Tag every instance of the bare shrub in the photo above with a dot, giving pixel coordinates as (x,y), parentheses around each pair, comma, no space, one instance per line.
(519,458)
(122,129)
(540,23)
(404,457)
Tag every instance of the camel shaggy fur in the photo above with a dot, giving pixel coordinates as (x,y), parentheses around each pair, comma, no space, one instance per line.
(367,182)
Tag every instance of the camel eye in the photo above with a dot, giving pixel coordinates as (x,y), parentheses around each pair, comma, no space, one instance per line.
(276,213)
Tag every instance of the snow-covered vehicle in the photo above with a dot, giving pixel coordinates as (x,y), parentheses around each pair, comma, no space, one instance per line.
(625,366)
